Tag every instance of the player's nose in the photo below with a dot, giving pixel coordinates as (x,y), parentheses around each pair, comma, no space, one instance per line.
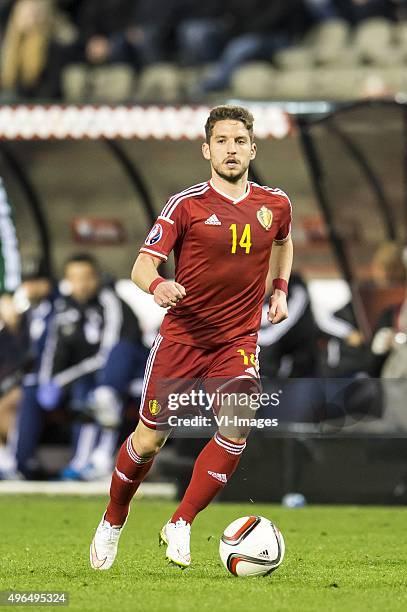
(231,146)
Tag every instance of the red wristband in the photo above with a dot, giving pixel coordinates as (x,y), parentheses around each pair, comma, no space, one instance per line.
(280,283)
(155,284)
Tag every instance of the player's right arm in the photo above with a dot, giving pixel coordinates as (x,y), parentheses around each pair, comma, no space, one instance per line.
(170,226)
(144,273)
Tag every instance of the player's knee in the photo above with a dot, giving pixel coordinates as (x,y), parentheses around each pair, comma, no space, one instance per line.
(236,436)
(146,441)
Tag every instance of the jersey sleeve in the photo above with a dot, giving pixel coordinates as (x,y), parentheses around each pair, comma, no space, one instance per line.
(171,225)
(284,230)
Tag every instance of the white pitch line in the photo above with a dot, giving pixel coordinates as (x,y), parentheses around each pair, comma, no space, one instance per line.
(25,487)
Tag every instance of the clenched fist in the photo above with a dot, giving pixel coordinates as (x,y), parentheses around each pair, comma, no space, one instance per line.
(278,310)
(168,294)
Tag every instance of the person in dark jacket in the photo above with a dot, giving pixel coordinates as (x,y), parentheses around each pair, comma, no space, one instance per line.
(289,356)
(201,32)
(356,11)
(137,32)
(257,29)
(292,350)
(93,350)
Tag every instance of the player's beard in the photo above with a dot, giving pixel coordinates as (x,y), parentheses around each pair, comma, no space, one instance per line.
(234,178)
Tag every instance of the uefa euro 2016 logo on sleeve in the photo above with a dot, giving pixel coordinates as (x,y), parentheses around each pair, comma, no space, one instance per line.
(155,235)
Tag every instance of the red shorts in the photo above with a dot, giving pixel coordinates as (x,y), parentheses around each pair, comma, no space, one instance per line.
(177,368)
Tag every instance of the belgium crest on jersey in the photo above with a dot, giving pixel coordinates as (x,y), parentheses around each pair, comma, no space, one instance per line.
(265,217)
(154,407)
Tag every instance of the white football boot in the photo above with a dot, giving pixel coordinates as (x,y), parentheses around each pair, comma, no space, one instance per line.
(177,538)
(103,549)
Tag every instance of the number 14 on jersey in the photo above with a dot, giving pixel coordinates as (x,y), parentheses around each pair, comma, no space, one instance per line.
(245,238)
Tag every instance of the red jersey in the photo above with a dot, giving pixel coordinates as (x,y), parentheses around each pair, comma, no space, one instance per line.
(222,249)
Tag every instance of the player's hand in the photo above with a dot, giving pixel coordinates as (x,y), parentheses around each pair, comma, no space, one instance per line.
(49,395)
(278,310)
(168,294)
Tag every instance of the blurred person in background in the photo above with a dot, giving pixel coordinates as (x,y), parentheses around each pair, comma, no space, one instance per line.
(135,32)
(356,11)
(98,24)
(322,10)
(31,54)
(34,302)
(201,32)
(290,350)
(346,364)
(348,351)
(92,352)
(389,363)
(389,352)
(387,267)
(5,10)
(258,29)
(149,37)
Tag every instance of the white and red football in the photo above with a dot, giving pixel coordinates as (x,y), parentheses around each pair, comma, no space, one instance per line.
(251,546)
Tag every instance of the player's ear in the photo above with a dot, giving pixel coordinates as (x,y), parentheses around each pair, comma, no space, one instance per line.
(206,152)
(253,150)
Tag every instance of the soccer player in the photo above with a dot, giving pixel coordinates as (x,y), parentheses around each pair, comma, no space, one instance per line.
(222,232)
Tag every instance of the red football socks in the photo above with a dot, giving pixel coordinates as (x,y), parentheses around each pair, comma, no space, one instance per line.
(213,467)
(130,471)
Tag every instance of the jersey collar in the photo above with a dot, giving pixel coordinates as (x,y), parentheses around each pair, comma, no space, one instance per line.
(227,197)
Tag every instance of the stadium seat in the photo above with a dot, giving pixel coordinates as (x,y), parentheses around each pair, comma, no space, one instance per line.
(340,84)
(330,40)
(374,42)
(104,83)
(254,80)
(322,45)
(191,75)
(113,83)
(358,82)
(295,84)
(293,58)
(75,82)
(160,83)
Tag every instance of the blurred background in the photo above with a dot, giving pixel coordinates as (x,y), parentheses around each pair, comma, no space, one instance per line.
(102,107)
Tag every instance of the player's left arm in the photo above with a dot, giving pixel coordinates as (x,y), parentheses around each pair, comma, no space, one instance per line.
(281,261)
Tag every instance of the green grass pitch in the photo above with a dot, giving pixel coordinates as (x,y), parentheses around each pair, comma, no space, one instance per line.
(341,558)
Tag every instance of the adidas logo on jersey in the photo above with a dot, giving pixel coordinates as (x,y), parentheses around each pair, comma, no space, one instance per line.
(213,220)
(264,553)
(217,476)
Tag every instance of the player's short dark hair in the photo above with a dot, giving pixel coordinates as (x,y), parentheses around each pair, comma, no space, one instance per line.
(235,113)
(83,258)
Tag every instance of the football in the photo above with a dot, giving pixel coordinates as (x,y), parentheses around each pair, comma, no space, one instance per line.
(251,546)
